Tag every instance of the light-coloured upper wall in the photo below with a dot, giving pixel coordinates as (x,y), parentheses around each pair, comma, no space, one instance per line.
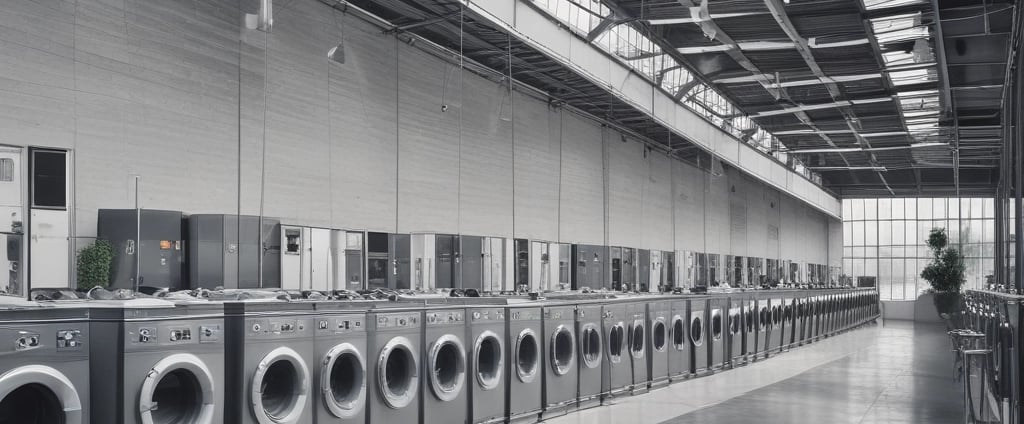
(217,118)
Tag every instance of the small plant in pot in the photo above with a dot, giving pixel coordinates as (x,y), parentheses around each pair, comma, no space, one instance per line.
(945,273)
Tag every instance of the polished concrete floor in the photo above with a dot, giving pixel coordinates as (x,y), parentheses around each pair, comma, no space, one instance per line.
(896,372)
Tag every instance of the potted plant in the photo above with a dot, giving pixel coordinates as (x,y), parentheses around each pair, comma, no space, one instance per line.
(94,264)
(945,273)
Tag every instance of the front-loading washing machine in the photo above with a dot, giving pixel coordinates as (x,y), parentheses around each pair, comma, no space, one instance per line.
(44,363)
(698,329)
(636,338)
(268,355)
(679,347)
(590,353)
(750,326)
(395,333)
(340,370)
(659,323)
(764,321)
(166,359)
(775,330)
(445,396)
(487,362)
(617,372)
(717,322)
(736,332)
(524,348)
(560,371)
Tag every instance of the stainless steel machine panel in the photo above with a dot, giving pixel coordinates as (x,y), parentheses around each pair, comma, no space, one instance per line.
(750,326)
(637,334)
(659,343)
(470,256)
(400,257)
(445,396)
(679,348)
(44,353)
(342,360)
(643,264)
(591,350)
(488,360)
(394,377)
(700,339)
(735,333)
(589,266)
(447,265)
(525,365)
(560,369)
(378,262)
(226,251)
(617,373)
(718,321)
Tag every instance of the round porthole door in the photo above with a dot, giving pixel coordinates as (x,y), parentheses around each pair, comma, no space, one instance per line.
(38,394)
(447,360)
(343,381)
(563,350)
(678,333)
(590,345)
(279,387)
(527,355)
(488,360)
(398,373)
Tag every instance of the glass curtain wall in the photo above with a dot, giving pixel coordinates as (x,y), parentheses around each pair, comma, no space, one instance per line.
(885,238)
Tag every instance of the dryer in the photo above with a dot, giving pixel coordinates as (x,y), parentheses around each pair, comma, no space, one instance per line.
(445,397)
(487,363)
(168,358)
(341,359)
(591,352)
(698,329)
(560,371)
(270,348)
(525,382)
(636,337)
(394,368)
(736,332)
(659,324)
(718,310)
(679,349)
(44,358)
(617,371)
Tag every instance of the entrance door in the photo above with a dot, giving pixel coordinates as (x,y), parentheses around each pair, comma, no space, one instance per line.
(49,251)
(12,229)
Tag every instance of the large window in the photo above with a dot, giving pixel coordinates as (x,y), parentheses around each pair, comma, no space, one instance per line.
(885,239)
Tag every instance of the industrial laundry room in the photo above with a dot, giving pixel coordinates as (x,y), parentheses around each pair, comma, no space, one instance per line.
(510,211)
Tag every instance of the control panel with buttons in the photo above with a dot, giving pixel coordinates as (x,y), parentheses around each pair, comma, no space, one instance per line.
(496,314)
(278,328)
(524,314)
(340,324)
(398,320)
(69,340)
(209,333)
(26,341)
(444,318)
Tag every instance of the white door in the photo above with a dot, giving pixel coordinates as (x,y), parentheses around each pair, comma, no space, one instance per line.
(50,229)
(320,259)
(12,203)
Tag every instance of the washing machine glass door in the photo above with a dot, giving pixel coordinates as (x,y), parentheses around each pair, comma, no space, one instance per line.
(765,318)
(748,319)
(616,342)
(447,360)
(279,388)
(563,350)
(488,360)
(590,345)
(716,324)
(734,323)
(697,328)
(637,339)
(678,333)
(527,355)
(38,394)
(659,335)
(398,373)
(343,380)
(178,389)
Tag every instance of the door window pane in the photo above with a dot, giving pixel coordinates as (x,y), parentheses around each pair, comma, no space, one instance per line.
(910,208)
(884,233)
(897,232)
(911,234)
(897,208)
(924,208)
(938,208)
(870,233)
(49,179)
(858,233)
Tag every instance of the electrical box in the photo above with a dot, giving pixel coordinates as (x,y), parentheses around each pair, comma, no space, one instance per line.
(470,256)
(399,256)
(347,260)
(148,244)
(230,251)
(493,264)
(544,266)
(295,257)
(320,260)
(447,260)
(589,263)
(378,260)
(521,275)
(644,270)
(423,248)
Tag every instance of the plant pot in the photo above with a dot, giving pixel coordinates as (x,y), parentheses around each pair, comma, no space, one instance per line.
(947,304)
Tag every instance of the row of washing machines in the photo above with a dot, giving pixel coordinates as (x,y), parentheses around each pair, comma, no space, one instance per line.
(266,357)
